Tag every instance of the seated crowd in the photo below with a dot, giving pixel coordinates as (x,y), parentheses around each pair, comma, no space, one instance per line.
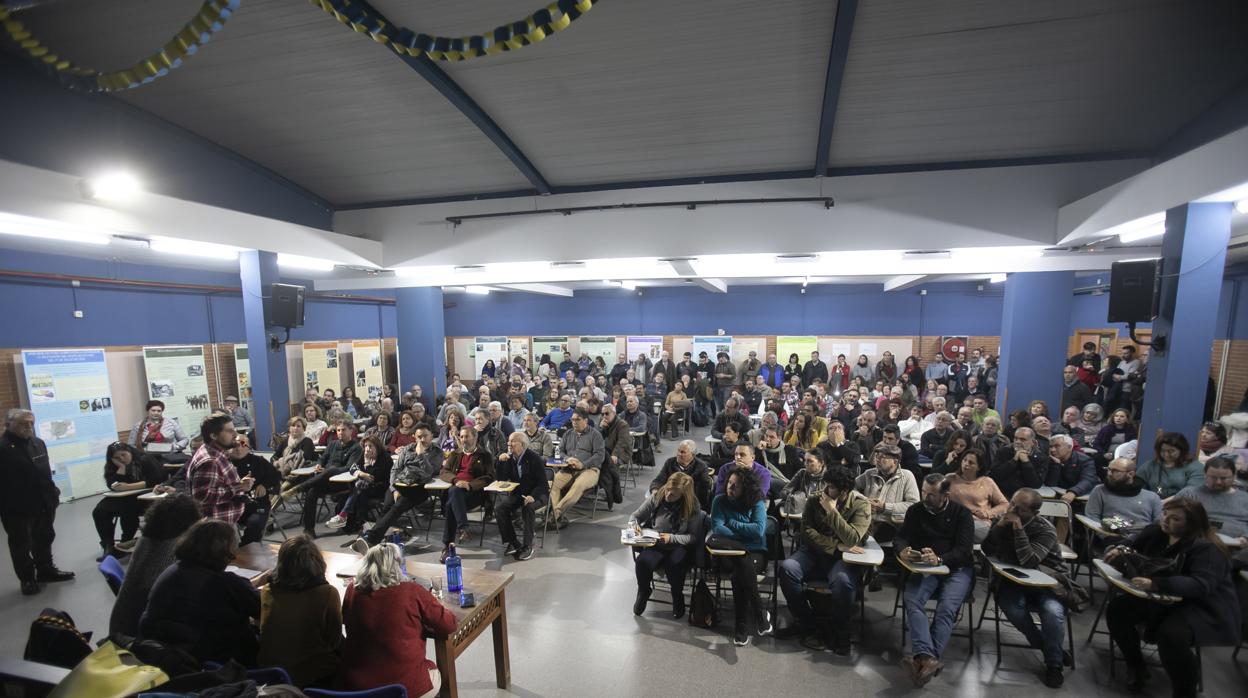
(854,457)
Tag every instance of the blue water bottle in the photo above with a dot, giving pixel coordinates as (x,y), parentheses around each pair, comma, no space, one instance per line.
(454,571)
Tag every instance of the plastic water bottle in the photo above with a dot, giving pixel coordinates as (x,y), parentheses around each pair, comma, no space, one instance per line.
(397,539)
(454,571)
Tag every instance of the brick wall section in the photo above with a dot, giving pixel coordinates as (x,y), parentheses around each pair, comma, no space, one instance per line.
(229,371)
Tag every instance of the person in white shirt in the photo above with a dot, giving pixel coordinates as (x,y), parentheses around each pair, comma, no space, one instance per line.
(912,428)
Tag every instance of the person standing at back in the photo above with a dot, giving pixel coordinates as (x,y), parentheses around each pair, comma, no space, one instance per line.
(28,502)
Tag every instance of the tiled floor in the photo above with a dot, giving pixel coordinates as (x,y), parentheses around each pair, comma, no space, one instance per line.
(573,633)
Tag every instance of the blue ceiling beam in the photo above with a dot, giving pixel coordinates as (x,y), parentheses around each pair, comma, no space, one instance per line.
(455,94)
(843,28)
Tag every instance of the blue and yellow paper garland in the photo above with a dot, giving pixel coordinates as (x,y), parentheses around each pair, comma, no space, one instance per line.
(555,17)
(211,17)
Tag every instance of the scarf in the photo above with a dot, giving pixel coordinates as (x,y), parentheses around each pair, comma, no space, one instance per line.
(1209,446)
(1128,490)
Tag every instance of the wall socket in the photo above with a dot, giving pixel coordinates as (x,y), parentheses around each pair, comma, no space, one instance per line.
(79,314)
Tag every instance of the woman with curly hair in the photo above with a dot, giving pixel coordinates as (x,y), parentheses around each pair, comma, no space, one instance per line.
(739,522)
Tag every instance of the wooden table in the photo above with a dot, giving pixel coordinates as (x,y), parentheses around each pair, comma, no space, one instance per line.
(488,586)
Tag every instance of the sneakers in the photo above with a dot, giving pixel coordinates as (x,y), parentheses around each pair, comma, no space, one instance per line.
(764,626)
(511,548)
(52,574)
(359,546)
(741,638)
(336,521)
(524,554)
(643,596)
(1053,677)
(126,546)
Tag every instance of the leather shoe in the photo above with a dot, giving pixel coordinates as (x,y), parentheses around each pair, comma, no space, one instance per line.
(52,574)
(643,596)
(678,607)
(30,587)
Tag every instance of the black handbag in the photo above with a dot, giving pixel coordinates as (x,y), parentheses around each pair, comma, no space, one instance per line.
(55,640)
(719,542)
(1134,564)
(703,609)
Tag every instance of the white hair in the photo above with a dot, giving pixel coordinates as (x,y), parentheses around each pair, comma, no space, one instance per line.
(380,568)
(15,414)
(689,443)
(1061,439)
(524,438)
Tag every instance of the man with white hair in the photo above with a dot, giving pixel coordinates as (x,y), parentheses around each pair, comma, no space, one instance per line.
(526,468)
(1070,470)
(686,461)
(451,403)
(938,406)
(28,502)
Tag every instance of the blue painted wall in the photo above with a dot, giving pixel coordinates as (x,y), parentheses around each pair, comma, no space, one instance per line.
(49,127)
(823,309)
(40,314)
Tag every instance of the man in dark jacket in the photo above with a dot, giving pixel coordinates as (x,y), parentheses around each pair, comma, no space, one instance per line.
(528,469)
(414,465)
(686,461)
(934,439)
(1088,354)
(620,369)
(936,532)
(1075,392)
(1069,469)
(814,369)
(1021,466)
(28,502)
(667,367)
(730,415)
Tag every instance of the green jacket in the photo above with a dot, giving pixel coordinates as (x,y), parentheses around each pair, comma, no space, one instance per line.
(845,527)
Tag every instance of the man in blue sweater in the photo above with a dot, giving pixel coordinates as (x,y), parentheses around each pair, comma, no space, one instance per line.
(558,416)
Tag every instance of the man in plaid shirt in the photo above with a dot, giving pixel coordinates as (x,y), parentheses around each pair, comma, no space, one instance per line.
(213,479)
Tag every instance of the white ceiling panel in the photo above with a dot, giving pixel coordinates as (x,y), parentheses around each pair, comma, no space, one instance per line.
(287,86)
(1013,78)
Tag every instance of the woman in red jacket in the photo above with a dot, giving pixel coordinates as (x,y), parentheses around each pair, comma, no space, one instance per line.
(386,619)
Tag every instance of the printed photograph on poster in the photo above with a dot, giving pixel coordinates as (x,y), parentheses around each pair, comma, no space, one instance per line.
(57,430)
(374,361)
(554,347)
(242,368)
(195,370)
(198,402)
(650,347)
(360,380)
(311,383)
(713,346)
(320,366)
(331,358)
(374,392)
(42,388)
(161,389)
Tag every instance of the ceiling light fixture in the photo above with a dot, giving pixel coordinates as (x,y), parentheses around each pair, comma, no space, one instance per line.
(996,278)
(469,268)
(630,285)
(25,226)
(193,248)
(1138,234)
(478,290)
(298,261)
(805,280)
(1241,206)
(117,187)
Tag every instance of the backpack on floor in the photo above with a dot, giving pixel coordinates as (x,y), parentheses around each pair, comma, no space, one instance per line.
(55,640)
(699,416)
(703,609)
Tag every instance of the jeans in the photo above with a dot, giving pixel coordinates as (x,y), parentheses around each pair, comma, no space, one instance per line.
(394,511)
(722,393)
(316,487)
(675,566)
(1016,603)
(505,508)
(744,570)
(30,542)
(459,502)
(843,581)
(111,509)
(952,590)
(1174,638)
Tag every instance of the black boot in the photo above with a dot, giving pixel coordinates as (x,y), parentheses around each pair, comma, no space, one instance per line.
(678,604)
(643,596)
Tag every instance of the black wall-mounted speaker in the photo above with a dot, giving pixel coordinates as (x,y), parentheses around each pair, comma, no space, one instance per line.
(286,306)
(1133,291)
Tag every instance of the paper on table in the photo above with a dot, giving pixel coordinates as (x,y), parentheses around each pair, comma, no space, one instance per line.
(243,572)
(627,535)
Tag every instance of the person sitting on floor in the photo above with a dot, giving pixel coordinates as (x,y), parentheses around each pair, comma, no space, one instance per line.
(833,523)
(1024,538)
(687,461)
(384,647)
(525,467)
(469,469)
(1208,614)
(584,451)
(938,531)
(739,522)
(671,511)
(198,607)
(301,616)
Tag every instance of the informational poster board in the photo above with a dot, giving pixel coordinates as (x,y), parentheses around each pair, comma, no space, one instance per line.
(489,348)
(69,394)
(176,377)
(320,367)
(370,374)
(742,346)
(800,345)
(872,350)
(555,347)
(519,346)
(712,346)
(652,347)
(242,368)
(599,346)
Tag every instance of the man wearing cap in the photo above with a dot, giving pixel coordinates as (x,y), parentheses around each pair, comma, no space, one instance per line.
(238,415)
(890,488)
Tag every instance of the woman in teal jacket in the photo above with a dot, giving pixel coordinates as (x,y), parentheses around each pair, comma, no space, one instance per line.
(1173,466)
(739,522)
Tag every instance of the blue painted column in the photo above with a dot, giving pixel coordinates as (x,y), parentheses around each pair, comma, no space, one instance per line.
(422,339)
(270,388)
(1035,324)
(1193,253)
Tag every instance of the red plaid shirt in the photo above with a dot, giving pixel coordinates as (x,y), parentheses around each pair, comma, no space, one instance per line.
(215,484)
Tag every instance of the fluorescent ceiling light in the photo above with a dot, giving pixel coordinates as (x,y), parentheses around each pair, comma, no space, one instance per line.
(469,268)
(298,261)
(609,282)
(26,226)
(194,248)
(453,289)
(478,290)
(998,253)
(996,278)
(1140,259)
(797,258)
(630,285)
(1138,234)
(117,186)
(1241,206)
